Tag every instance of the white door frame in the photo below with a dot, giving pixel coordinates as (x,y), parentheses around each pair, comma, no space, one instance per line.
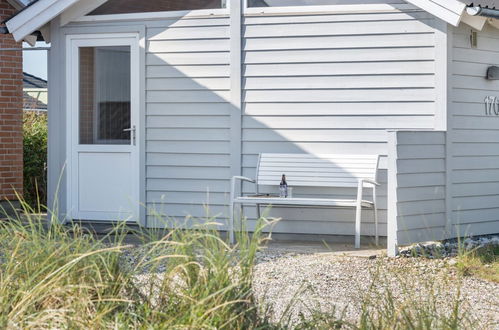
(73,43)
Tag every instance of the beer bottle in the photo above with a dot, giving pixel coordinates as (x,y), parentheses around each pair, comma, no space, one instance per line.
(283,187)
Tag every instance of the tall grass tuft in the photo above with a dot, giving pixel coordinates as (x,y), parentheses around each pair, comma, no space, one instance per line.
(61,276)
(53,276)
(195,279)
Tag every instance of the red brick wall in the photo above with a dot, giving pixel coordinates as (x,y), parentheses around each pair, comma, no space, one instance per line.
(11,100)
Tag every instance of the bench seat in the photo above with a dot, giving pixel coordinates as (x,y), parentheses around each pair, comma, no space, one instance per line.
(276,201)
(314,171)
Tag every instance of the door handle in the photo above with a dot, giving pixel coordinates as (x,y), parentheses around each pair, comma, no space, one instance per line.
(132,131)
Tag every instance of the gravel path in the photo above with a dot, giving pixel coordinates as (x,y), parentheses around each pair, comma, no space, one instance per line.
(333,282)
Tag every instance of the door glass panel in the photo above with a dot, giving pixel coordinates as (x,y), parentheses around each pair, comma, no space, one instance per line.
(104,95)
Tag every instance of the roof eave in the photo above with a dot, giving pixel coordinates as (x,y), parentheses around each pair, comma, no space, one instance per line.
(35,16)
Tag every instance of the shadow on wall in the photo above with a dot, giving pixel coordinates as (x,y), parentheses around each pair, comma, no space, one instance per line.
(331,93)
(299,96)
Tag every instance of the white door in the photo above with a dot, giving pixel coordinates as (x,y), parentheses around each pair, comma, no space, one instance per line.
(103,112)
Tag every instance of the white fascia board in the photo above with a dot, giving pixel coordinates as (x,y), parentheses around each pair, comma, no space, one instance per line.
(450,11)
(36,16)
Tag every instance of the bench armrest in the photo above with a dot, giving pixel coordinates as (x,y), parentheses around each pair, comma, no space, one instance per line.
(233,184)
(242,178)
(369,181)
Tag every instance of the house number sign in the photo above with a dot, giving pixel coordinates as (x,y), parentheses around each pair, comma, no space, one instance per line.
(491,105)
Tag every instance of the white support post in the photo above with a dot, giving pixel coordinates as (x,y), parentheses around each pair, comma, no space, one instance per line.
(358,213)
(235,99)
(57,130)
(375,207)
(449,139)
(392,221)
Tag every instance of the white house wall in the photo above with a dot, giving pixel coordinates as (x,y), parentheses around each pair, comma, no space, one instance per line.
(334,83)
(320,83)
(474,135)
(417,179)
(188,115)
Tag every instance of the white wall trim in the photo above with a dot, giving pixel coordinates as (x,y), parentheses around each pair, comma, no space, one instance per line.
(56,172)
(441,74)
(235,88)
(337,9)
(392,212)
(155,15)
(449,136)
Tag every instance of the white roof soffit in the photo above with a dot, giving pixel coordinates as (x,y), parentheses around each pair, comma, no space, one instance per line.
(35,16)
(450,11)
(40,13)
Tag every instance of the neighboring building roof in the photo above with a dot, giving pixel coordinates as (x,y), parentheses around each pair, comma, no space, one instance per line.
(35,93)
(492,4)
(31,81)
(31,103)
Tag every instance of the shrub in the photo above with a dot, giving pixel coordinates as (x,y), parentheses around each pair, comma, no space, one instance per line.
(35,159)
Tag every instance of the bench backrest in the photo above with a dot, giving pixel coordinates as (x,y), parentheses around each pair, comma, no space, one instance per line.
(308,170)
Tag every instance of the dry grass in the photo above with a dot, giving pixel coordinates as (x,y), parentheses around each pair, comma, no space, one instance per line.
(63,277)
(482,262)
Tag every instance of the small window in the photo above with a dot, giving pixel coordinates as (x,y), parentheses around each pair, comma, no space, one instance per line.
(287,3)
(105,95)
(144,6)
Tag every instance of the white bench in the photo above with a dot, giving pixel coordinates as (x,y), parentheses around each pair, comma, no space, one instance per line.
(306,170)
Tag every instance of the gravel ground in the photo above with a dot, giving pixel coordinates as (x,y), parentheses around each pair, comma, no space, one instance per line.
(333,282)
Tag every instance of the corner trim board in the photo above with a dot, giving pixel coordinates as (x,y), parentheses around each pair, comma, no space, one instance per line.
(235,88)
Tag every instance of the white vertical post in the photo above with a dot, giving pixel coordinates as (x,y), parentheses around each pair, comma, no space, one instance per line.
(443,106)
(441,73)
(392,221)
(358,213)
(235,93)
(449,138)
(376,225)
(57,132)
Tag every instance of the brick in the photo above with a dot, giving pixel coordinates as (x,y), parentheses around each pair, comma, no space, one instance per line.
(11,100)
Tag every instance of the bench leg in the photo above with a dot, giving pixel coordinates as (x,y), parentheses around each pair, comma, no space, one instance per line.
(358,215)
(375,207)
(231,222)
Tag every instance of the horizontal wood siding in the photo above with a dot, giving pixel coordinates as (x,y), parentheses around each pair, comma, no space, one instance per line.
(419,171)
(334,83)
(187,123)
(475,136)
(312,83)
